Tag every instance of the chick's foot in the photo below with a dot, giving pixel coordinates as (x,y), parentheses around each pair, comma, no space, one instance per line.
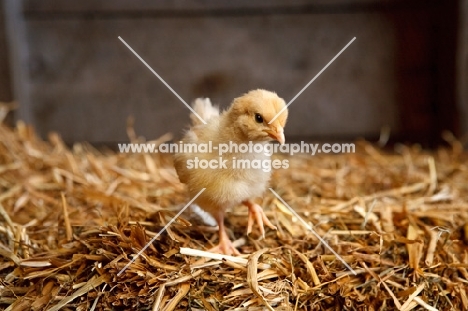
(256,214)
(225,245)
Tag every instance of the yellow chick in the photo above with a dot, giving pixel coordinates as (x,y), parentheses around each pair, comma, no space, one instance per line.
(246,120)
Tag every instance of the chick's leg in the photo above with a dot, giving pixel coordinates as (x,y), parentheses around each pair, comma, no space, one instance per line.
(256,214)
(225,245)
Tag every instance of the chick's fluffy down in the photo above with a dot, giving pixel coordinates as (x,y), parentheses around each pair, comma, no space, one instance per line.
(227,187)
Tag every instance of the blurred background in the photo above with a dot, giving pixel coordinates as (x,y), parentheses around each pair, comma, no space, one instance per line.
(63,64)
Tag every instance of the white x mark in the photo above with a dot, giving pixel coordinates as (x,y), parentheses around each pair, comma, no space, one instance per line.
(313,79)
(159,233)
(162,80)
(308,227)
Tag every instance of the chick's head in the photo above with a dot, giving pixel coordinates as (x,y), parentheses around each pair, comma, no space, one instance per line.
(251,114)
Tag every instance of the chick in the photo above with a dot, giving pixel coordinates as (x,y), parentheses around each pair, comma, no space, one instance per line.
(246,120)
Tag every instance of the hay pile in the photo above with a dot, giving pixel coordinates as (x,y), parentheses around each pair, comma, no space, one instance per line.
(71,219)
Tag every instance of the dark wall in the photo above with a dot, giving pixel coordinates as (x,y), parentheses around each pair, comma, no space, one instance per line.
(6,94)
(81,81)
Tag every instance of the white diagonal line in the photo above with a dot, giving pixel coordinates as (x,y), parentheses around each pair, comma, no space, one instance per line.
(159,233)
(162,80)
(313,79)
(308,227)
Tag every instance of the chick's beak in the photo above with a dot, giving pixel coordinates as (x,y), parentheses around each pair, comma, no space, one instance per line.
(277,135)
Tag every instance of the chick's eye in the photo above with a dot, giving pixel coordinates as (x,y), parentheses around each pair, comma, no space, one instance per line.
(258,118)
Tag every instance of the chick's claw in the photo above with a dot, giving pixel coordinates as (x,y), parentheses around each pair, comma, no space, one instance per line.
(256,214)
(225,245)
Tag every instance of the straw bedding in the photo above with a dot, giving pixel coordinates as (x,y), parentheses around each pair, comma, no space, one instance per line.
(72,218)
